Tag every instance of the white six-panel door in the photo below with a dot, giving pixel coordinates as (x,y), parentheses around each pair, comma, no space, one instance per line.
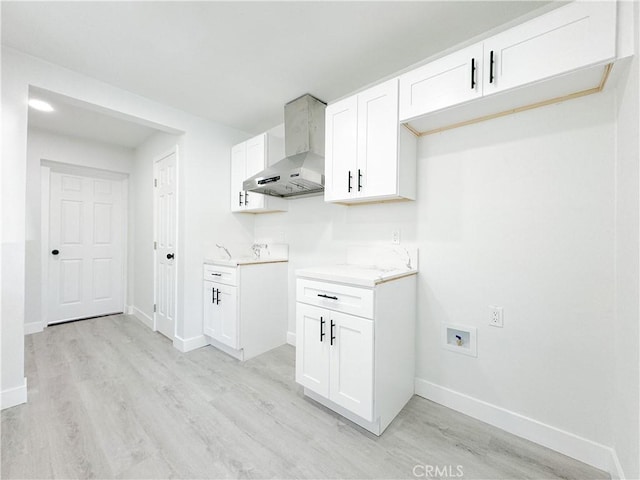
(166,235)
(86,269)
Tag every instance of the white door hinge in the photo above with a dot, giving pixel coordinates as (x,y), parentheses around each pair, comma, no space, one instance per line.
(154,308)
(155,245)
(155,182)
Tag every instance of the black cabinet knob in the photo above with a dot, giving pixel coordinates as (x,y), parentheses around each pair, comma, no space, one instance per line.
(55,252)
(169,256)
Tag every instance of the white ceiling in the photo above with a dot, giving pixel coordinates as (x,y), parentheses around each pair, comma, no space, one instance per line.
(73,118)
(238,63)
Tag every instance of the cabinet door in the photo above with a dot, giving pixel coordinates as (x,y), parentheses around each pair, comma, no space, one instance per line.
(256,162)
(238,175)
(226,315)
(208,301)
(377,152)
(445,82)
(312,348)
(341,129)
(571,37)
(351,373)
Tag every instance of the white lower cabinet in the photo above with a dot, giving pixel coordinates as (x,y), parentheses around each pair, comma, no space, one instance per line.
(362,367)
(245,307)
(335,358)
(221,313)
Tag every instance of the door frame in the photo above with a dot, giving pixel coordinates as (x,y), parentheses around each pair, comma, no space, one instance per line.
(46,168)
(173,150)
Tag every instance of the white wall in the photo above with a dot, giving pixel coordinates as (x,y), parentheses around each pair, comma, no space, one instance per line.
(625,394)
(13,172)
(516,212)
(205,151)
(42,145)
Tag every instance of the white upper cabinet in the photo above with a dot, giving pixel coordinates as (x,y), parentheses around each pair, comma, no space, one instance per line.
(571,37)
(238,175)
(560,53)
(447,81)
(341,148)
(247,159)
(368,155)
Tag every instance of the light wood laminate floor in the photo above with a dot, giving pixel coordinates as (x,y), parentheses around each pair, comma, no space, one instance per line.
(108,398)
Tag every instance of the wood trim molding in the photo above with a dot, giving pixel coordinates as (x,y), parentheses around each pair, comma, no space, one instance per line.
(524,108)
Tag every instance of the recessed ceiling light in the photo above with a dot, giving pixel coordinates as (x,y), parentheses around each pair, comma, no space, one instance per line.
(40,105)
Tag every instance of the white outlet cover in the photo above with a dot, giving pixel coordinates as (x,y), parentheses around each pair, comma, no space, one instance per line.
(496,316)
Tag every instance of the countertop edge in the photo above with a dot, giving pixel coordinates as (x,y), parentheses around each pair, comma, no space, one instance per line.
(346,280)
(226,263)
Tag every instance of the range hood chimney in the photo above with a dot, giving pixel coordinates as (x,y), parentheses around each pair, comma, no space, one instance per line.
(301,172)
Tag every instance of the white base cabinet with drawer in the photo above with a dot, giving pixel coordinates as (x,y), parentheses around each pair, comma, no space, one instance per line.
(360,365)
(245,307)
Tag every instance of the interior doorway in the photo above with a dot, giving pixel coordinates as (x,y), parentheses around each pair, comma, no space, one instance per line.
(165,228)
(85,245)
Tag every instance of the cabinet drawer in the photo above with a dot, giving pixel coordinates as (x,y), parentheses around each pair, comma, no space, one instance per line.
(341,298)
(216,273)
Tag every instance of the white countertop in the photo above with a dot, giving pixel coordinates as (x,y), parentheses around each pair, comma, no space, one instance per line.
(364,276)
(234,262)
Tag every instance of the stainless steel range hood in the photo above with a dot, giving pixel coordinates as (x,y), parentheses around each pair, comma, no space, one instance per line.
(301,172)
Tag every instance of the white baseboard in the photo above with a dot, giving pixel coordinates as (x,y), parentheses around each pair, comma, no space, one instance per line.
(587,451)
(291,338)
(33,327)
(143,317)
(188,344)
(130,309)
(14,396)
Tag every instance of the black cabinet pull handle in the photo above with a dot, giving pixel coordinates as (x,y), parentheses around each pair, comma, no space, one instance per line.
(213,295)
(327,296)
(333,337)
(491,62)
(359,178)
(170,256)
(473,73)
(349,177)
(240,199)
(55,252)
(322,322)
(246,198)
(216,274)
(218,297)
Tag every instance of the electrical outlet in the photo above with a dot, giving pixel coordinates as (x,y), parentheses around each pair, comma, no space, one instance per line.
(496,319)
(395,237)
